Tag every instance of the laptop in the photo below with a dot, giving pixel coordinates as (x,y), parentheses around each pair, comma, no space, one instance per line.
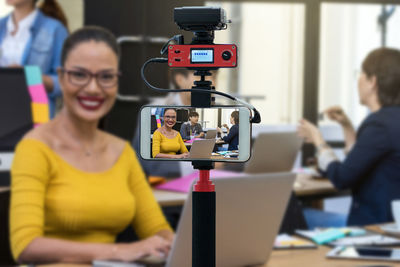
(211,134)
(274,152)
(202,148)
(15,116)
(250,209)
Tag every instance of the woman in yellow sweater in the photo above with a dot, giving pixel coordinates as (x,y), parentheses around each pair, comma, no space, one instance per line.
(74,187)
(166,141)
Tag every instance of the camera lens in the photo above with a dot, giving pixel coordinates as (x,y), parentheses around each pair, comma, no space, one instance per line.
(226,55)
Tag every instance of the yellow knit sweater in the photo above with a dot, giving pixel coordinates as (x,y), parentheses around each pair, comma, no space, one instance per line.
(165,145)
(51,198)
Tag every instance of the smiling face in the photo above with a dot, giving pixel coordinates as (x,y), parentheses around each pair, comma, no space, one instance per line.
(169,118)
(91,101)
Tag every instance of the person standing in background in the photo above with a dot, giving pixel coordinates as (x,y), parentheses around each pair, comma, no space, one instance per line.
(34,36)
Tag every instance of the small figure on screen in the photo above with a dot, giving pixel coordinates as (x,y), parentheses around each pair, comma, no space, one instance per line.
(192,129)
(232,137)
(167,142)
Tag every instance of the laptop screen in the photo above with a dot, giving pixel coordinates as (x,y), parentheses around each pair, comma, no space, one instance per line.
(15,112)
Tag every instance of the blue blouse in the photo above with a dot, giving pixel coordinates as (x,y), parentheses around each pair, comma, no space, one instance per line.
(43,49)
(372,168)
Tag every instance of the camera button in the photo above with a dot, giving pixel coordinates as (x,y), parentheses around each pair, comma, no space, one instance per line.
(226,55)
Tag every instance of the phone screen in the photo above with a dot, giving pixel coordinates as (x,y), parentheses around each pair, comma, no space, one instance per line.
(372,253)
(187,133)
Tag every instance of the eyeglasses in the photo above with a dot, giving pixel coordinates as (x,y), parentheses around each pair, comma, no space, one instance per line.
(170,117)
(105,79)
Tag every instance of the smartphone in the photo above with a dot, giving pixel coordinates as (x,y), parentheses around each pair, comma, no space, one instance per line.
(365,253)
(218,133)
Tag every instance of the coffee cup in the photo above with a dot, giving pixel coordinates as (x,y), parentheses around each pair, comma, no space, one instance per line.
(396,212)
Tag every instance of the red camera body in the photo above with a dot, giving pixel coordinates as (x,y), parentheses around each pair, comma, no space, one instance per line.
(202,56)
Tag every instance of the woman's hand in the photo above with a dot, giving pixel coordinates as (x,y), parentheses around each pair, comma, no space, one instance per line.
(219,130)
(153,246)
(185,155)
(336,113)
(182,156)
(310,133)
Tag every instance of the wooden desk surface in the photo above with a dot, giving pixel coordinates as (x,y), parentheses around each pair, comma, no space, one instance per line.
(169,198)
(314,258)
(217,142)
(295,257)
(306,185)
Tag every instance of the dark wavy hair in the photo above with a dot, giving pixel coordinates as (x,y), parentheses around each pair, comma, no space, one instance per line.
(86,34)
(193,114)
(235,116)
(53,9)
(165,110)
(384,64)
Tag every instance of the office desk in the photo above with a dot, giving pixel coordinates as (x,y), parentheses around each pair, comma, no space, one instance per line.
(169,198)
(304,186)
(292,258)
(217,142)
(314,258)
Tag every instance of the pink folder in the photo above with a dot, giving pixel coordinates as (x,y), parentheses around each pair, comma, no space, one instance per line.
(191,141)
(38,94)
(183,184)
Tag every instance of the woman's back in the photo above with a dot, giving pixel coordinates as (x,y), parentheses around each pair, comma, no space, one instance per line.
(372,168)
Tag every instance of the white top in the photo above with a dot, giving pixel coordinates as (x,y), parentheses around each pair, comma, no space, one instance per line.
(325,157)
(13,46)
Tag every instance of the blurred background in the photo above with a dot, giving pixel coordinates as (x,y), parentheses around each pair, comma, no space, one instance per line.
(295,59)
